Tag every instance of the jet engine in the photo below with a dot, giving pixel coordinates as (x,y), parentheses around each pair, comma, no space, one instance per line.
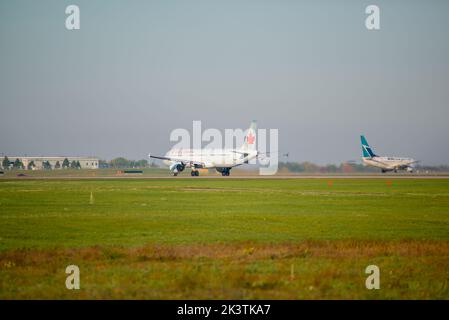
(177,167)
(223,171)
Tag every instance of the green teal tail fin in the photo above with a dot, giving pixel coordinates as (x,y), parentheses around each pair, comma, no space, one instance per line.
(367,152)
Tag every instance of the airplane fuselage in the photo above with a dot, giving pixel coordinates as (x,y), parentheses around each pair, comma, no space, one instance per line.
(389,163)
(210,158)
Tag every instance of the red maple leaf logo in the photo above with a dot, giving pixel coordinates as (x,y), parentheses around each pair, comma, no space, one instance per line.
(250,138)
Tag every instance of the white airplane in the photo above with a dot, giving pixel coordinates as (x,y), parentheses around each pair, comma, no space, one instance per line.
(384,163)
(223,160)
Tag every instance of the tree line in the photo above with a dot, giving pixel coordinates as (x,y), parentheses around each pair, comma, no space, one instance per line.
(309,167)
(116,163)
(121,163)
(346,167)
(46,165)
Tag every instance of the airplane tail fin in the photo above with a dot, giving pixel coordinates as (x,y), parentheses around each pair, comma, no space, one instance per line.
(249,143)
(367,152)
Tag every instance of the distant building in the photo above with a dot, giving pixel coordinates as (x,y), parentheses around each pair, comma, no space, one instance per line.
(85,162)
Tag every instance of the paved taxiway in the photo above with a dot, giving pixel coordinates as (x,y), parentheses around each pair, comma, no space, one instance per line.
(182,177)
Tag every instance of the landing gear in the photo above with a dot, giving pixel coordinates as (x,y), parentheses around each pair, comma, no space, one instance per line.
(194,173)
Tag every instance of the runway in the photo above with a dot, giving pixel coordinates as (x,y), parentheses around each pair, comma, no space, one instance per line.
(235,177)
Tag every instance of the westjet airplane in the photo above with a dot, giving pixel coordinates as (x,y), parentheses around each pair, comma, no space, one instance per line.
(222,160)
(384,163)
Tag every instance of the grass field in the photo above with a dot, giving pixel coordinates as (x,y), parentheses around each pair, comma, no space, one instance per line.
(225,238)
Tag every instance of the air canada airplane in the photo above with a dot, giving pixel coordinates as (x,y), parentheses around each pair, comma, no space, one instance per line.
(384,163)
(222,160)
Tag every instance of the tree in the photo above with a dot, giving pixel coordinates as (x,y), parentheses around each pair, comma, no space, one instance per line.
(310,167)
(119,162)
(292,166)
(46,165)
(31,165)
(103,164)
(5,163)
(57,165)
(330,168)
(142,163)
(18,164)
(78,165)
(73,165)
(65,163)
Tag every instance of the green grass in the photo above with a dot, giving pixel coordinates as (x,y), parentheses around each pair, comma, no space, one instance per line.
(54,221)
(58,213)
(82,173)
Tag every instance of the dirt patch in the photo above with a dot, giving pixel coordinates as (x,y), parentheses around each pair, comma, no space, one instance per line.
(248,251)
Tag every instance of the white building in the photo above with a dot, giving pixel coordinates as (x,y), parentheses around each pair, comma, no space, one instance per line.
(85,162)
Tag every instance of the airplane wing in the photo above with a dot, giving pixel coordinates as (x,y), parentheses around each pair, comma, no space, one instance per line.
(188,163)
(158,157)
(408,165)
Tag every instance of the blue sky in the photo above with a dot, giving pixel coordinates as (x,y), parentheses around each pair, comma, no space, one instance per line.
(136,70)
